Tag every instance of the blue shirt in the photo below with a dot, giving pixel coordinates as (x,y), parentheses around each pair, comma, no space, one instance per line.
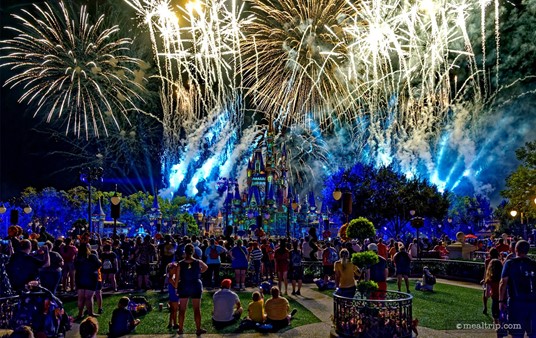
(240,258)
(521,273)
(220,250)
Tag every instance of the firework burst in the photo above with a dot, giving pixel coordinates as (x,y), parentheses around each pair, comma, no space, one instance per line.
(75,70)
(294,55)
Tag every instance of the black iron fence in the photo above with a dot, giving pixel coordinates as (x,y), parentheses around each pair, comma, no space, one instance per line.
(387,317)
(8,306)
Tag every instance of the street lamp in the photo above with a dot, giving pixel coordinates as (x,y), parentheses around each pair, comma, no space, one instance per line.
(417,223)
(156,214)
(115,210)
(89,175)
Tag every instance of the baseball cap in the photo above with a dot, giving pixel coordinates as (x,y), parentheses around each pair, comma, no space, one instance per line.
(226,283)
(372,247)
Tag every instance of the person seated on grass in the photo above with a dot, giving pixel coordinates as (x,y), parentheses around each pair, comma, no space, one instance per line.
(89,328)
(122,322)
(256,308)
(227,307)
(277,310)
(256,313)
(428,281)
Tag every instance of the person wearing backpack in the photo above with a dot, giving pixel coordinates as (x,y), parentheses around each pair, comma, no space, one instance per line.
(517,291)
(109,266)
(296,268)
(329,257)
(213,252)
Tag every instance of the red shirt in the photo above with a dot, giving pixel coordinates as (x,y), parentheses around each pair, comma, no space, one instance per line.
(382,250)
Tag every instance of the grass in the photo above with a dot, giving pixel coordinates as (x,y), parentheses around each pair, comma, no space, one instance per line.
(445,307)
(155,322)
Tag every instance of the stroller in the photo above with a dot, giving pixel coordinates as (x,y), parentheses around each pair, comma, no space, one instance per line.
(42,311)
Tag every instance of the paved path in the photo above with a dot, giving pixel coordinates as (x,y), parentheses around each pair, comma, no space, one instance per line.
(321,306)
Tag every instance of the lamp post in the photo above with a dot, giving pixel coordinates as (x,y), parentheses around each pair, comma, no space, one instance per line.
(417,223)
(115,210)
(98,215)
(156,214)
(89,175)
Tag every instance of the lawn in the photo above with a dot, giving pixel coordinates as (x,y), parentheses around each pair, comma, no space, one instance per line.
(155,322)
(446,306)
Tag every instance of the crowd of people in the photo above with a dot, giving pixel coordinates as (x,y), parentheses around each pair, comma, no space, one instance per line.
(184,266)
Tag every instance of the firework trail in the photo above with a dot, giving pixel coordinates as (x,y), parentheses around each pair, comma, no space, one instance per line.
(374,81)
(197,53)
(68,66)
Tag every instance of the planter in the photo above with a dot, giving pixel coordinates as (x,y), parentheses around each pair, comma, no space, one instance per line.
(387,317)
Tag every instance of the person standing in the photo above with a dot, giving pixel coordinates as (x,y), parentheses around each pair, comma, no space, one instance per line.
(144,254)
(383,250)
(296,268)
(239,263)
(87,267)
(172,284)
(329,257)
(50,276)
(281,258)
(213,253)
(256,257)
(519,279)
(190,287)
(109,266)
(23,268)
(402,261)
(378,273)
(68,252)
(345,273)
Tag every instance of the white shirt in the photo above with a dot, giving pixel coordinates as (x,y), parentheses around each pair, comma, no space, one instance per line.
(224,305)
(306,250)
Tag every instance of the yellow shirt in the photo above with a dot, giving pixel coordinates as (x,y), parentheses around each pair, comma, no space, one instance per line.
(256,311)
(346,275)
(277,308)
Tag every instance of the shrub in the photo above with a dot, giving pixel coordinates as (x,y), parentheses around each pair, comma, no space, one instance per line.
(360,228)
(366,287)
(365,259)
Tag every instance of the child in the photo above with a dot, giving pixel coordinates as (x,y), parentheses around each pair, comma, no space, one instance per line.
(123,321)
(256,313)
(256,308)
(492,280)
(173,282)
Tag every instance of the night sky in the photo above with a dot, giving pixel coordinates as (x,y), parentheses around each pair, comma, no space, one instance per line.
(25,149)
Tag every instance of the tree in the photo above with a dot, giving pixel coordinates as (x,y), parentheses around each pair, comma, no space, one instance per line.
(520,187)
(360,228)
(385,197)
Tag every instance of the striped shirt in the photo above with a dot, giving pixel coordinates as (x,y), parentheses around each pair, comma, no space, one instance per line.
(256,254)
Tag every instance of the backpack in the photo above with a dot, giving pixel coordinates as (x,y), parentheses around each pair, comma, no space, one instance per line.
(213,253)
(525,287)
(139,306)
(332,256)
(169,250)
(295,258)
(107,264)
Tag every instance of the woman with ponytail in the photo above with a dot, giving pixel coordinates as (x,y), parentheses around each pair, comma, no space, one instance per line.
(345,274)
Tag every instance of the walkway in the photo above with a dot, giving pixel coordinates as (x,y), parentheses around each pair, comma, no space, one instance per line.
(321,306)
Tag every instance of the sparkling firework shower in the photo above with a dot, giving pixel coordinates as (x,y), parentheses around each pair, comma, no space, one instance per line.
(388,76)
(73,70)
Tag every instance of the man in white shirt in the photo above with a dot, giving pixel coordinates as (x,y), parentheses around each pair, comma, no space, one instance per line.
(306,249)
(227,307)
